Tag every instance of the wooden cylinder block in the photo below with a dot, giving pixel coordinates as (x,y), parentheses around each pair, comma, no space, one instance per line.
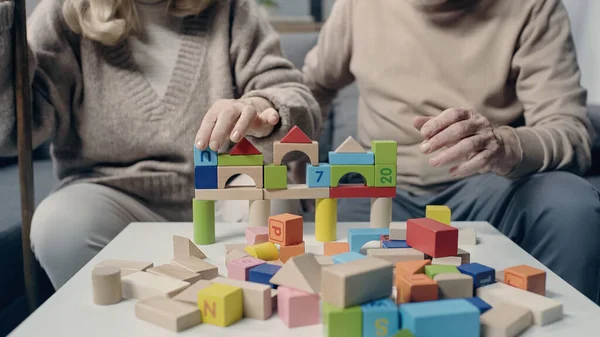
(326,220)
(260,210)
(106,285)
(381,212)
(204,221)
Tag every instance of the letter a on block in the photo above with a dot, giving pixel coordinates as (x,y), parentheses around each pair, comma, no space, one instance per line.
(184,247)
(296,136)
(350,145)
(301,272)
(244,147)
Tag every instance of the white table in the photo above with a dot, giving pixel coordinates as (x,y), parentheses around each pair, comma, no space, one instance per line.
(71,312)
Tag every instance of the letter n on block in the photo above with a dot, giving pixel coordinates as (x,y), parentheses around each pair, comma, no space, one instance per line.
(286,229)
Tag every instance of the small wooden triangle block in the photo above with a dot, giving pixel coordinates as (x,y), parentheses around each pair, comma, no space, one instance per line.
(302,272)
(296,136)
(184,247)
(350,145)
(243,147)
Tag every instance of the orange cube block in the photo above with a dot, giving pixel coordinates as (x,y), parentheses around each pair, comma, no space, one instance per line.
(286,229)
(527,278)
(286,252)
(407,268)
(335,248)
(416,288)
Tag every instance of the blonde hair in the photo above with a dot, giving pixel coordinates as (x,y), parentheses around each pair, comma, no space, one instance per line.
(110,21)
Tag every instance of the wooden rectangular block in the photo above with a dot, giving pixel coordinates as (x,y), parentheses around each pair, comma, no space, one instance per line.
(263,274)
(175,272)
(464,255)
(348,284)
(479,303)
(286,229)
(433,270)
(281,149)
(394,244)
(527,278)
(318,176)
(447,261)
(297,191)
(432,237)
(396,255)
(220,304)
(335,248)
(482,275)
(505,320)
(167,313)
(406,268)
(385,175)
(230,193)
(358,191)
(380,318)
(238,269)
(385,151)
(398,231)
(256,235)
(254,172)
(256,298)
(346,257)
(275,177)
(141,285)
(358,237)
(206,177)
(454,285)
(190,295)
(416,288)
(127,266)
(467,237)
(338,322)
(324,260)
(287,252)
(545,310)
(241,160)
(440,213)
(448,318)
(297,308)
(206,157)
(348,158)
(206,270)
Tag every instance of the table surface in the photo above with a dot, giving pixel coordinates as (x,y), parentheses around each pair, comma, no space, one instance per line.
(71,313)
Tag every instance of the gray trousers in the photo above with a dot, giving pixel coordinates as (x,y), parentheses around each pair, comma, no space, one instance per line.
(554,216)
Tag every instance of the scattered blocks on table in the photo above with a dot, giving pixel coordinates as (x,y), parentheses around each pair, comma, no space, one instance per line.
(256,235)
(433,270)
(398,231)
(416,288)
(335,248)
(449,318)
(392,244)
(127,266)
(263,274)
(318,176)
(356,282)
(325,219)
(380,318)
(280,149)
(301,272)
(206,177)
(297,308)
(505,320)
(432,237)
(286,229)
(175,272)
(357,191)
(454,285)
(287,252)
(366,171)
(142,285)
(206,157)
(241,160)
(385,151)
(106,285)
(467,236)
(346,257)
(406,268)
(440,213)
(190,294)
(350,145)
(447,261)
(479,303)
(243,147)
(266,251)
(238,269)
(256,298)
(527,278)
(342,322)
(396,255)
(385,175)
(184,247)
(275,177)
(357,237)
(254,172)
(199,266)
(167,313)
(347,158)
(203,213)
(482,275)
(220,304)
(297,192)
(296,136)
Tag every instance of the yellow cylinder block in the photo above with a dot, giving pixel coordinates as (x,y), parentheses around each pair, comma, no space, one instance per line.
(326,220)
(266,251)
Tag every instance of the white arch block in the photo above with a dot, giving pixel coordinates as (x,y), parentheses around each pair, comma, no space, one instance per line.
(281,149)
(226,172)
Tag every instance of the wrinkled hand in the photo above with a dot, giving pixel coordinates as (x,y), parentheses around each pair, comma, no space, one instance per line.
(470,141)
(235,119)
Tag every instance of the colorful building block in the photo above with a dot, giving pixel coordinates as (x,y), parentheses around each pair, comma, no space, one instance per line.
(464,256)
(350,145)
(366,171)
(527,278)
(361,191)
(263,274)
(454,285)
(205,177)
(448,318)
(266,251)
(220,304)
(206,157)
(241,160)
(296,136)
(225,173)
(391,244)
(286,229)
(380,318)
(439,213)
(287,252)
(297,192)
(325,219)
(467,236)
(318,176)
(398,231)
(433,270)
(396,255)
(357,237)
(447,261)
(347,257)
(342,322)
(275,177)
(482,275)
(167,313)
(432,237)
(346,158)
(406,268)
(479,303)
(243,147)
(297,308)
(505,320)
(385,151)
(280,149)
(385,175)
(239,269)
(256,235)
(203,214)
(335,248)
(256,298)
(416,288)
(302,272)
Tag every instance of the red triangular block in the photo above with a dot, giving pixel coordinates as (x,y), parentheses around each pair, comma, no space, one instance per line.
(296,136)
(244,147)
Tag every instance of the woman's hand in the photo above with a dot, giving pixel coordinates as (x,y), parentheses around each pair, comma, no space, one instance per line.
(470,141)
(235,119)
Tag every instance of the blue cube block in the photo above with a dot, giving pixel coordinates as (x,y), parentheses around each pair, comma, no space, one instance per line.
(318,176)
(482,275)
(479,303)
(380,318)
(357,237)
(205,177)
(263,274)
(206,157)
(343,158)
(394,244)
(448,318)
(346,257)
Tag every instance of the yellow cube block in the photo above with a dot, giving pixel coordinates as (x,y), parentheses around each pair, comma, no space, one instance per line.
(439,213)
(220,304)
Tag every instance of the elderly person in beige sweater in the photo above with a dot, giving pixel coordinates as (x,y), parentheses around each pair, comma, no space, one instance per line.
(484,100)
(124,89)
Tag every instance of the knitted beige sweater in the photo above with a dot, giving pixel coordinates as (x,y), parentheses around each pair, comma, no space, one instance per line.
(108,125)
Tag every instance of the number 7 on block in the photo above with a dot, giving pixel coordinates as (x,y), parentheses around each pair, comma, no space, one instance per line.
(318,176)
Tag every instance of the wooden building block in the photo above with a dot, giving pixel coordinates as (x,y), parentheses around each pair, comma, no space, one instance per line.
(203,212)
(235,254)
(545,310)
(381,212)
(348,284)
(142,285)
(287,252)
(254,172)
(385,151)
(482,275)
(275,177)
(398,231)
(281,149)
(266,251)
(505,320)
(230,193)
(184,247)
(394,244)
(256,298)
(175,272)
(404,333)
(206,270)
(106,285)
(297,308)
(241,160)
(350,145)
(416,288)
(335,248)
(447,261)
(276,263)
(347,158)
(396,255)
(448,318)
(239,269)
(346,257)
(220,304)
(324,260)
(433,270)
(380,318)
(263,274)
(258,213)
(527,278)
(357,237)
(406,268)
(243,147)
(464,255)
(127,266)
(500,276)
(318,176)
(366,171)
(234,246)
(206,157)
(357,191)
(168,313)
(432,237)
(454,285)
(440,213)
(297,191)
(190,295)
(301,272)
(286,229)
(274,299)
(296,136)
(385,175)
(326,220)
(206,177)
(479,303)
(256,235)
(467,236)
(342,322)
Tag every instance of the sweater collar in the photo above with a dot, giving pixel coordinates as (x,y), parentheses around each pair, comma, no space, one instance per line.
(446,6)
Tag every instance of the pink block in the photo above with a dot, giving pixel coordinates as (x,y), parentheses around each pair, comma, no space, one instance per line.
(238,269)
(256,235)
(297,308)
